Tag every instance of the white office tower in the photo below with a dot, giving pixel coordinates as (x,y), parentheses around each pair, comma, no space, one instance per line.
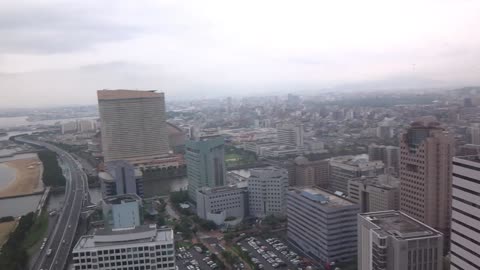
(322,225)
(267,189)
(133,125)
(465,232)
(143,247)
(291,135)
(221,203)
(86,125)
(473,134)
(391,240)
(69,127)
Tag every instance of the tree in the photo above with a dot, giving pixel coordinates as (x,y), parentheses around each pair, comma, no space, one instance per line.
(229,237)
(52,173)
(229,257)
(161,220)
(179,196)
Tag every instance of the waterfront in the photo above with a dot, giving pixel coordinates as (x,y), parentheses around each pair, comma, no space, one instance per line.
(23,205)
(19,206)
(21,121)
(7,175)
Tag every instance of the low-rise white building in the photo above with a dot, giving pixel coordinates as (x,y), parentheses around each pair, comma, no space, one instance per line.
(122,211)
(267,189)
(143,247)
(220,203)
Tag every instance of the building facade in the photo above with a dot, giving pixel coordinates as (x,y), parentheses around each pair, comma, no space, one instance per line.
(267,189)
(176,138)
(120,177)
(291,135)
(122,211)
(69,127)
(344,168)
(389,155)
(322,224)
(391,240)
(133,125)
(377,193)
(465,237)
(222,203)
(426,152)
(205,159)
(303,172)
(144,247)
(473,134)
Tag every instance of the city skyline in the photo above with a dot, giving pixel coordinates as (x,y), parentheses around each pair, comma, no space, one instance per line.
(303,47)
(275,135)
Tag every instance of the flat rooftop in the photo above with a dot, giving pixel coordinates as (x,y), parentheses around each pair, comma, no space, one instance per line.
(469,159)
(359,161)
(126,94)
(322,197)
(381,181)
(139,234)
(220,189)
(124,198)
(399,225)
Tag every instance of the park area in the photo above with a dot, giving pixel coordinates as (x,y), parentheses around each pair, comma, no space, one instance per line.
(235,157)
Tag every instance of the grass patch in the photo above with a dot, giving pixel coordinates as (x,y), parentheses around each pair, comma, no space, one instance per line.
(238,157)
(36,233)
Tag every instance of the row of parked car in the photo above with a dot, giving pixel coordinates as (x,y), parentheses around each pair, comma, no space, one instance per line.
(282,248)
(267,254)
(184,256)
(210,263)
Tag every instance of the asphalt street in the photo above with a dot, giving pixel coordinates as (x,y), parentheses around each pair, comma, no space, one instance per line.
(55,254)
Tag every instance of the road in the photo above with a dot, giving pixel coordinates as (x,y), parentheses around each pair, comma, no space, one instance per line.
(60,241)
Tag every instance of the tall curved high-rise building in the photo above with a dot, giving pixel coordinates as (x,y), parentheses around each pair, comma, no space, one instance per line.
(133,125)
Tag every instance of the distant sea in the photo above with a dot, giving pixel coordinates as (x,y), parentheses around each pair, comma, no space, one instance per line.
(12,122)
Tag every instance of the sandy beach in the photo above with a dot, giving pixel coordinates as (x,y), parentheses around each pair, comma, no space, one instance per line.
(26,179)
(5,229)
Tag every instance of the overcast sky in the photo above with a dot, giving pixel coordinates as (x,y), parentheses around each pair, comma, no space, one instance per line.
(61,52)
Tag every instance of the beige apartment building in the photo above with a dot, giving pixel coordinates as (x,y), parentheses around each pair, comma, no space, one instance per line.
(426,152)
(303,172)
(133,125)
(392,240)
(344,168)
(377,193)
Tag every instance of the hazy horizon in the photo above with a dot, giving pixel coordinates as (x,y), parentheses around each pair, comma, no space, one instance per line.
(56,53)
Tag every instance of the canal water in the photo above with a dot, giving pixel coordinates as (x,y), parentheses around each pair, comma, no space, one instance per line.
(23,205)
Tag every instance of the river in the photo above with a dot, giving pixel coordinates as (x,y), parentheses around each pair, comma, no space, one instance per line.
(23,205)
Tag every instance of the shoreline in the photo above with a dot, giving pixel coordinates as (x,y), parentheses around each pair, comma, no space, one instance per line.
(27,177)
(5,229)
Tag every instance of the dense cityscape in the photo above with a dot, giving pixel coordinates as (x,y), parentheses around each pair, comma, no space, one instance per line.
(239,135)
(279,182)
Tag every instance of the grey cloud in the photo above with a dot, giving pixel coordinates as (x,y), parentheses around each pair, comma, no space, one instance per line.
(54,29)
(60,28)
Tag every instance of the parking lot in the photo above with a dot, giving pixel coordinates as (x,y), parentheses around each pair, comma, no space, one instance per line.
(270,253)
(194,258)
